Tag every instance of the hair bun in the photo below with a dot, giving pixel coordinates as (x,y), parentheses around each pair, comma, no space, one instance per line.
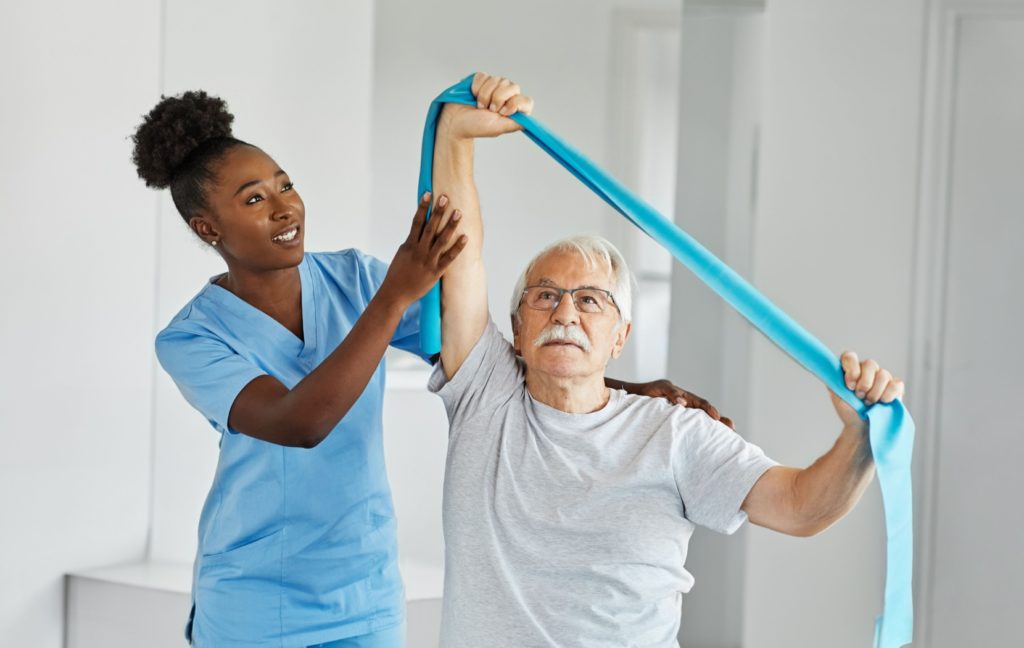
(175,128)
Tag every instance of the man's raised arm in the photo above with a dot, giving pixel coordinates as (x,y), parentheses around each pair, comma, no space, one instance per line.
(805,502)
(464,313)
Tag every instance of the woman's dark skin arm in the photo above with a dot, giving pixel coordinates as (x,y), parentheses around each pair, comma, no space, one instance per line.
(304,415)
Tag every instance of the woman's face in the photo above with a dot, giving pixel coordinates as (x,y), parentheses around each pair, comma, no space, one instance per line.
(253,212)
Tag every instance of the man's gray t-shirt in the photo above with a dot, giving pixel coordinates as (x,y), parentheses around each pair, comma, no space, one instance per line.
(572,529)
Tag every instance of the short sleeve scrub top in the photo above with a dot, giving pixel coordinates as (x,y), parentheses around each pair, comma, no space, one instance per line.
(296,546)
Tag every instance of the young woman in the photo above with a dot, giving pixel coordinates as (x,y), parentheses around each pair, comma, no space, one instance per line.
(283,355)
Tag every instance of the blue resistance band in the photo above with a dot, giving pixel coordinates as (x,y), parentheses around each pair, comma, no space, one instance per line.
(891,427)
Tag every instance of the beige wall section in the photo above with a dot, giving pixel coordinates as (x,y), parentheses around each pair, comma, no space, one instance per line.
(297,79)
(833,247)
(77,310)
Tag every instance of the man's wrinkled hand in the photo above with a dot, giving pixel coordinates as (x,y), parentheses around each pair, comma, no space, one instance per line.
(497,99)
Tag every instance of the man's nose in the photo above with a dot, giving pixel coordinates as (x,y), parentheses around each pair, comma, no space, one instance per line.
(565,313)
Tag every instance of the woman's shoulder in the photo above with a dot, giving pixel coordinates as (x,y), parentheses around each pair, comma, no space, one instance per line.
(199,317)
(192,310)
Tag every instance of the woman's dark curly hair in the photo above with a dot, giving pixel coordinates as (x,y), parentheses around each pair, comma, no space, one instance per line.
(178,144)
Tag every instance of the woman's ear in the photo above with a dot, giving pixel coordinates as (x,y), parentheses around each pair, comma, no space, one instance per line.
(204,229)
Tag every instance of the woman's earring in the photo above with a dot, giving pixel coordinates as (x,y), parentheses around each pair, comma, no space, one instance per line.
(213,243)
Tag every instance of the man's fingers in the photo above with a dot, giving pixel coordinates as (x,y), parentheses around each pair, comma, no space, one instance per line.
(500,94)
(727,421)
(893,391)
(487,88)
(518,103)
(478,80)
(851,368)
(505,91)
(868,369)
(522,104)
(882,380)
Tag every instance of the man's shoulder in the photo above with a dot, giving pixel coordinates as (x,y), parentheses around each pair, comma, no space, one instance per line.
(492,365)
(678,417)
(494,347)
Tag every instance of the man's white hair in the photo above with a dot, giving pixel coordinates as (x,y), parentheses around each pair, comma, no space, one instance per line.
(596,252)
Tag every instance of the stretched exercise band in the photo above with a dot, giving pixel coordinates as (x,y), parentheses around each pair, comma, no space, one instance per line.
(891,427)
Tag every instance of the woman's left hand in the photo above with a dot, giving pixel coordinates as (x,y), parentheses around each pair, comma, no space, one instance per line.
(664,388)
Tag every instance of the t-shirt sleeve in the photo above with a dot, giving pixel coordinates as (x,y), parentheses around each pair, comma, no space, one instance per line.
(207,371)
(715,468)
(490,373)
(407,334)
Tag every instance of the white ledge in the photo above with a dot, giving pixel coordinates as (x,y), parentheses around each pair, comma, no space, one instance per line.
(422,580)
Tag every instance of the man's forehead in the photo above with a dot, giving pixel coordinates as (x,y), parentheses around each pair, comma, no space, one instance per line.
(562,267)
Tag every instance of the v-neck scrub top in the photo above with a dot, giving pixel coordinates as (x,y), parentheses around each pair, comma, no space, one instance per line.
(296,546)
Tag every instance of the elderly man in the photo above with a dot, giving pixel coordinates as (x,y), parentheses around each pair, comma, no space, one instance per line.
(568,506)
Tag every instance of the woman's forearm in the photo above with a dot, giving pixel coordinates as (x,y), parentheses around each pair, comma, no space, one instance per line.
(304,415)
(320,400)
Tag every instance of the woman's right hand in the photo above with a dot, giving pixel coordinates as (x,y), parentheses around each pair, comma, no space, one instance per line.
(427,252)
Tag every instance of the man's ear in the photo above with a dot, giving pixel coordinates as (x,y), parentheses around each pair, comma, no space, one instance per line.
(515,335)
(620,338)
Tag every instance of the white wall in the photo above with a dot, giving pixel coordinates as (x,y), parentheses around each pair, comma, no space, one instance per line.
(967,353)
(833,247)
(97,262)
(709,345)
(78,300)
(563,59)
(297,79)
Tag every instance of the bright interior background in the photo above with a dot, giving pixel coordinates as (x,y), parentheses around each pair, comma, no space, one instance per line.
(859,160)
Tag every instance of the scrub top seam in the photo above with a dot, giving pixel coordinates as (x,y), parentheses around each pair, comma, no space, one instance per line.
(315,325)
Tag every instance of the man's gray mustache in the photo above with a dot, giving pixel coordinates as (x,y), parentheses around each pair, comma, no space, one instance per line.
(560,333)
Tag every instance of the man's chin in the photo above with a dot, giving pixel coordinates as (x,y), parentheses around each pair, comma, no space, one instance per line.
(560,363)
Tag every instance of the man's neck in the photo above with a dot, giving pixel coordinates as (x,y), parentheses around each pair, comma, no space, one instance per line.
(576,395)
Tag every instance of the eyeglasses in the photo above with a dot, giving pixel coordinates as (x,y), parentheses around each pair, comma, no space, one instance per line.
(586,300)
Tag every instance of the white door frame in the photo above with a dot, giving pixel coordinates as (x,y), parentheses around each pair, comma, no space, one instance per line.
(943,20)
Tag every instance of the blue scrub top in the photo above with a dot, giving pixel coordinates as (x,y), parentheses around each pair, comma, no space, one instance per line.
(296,546)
